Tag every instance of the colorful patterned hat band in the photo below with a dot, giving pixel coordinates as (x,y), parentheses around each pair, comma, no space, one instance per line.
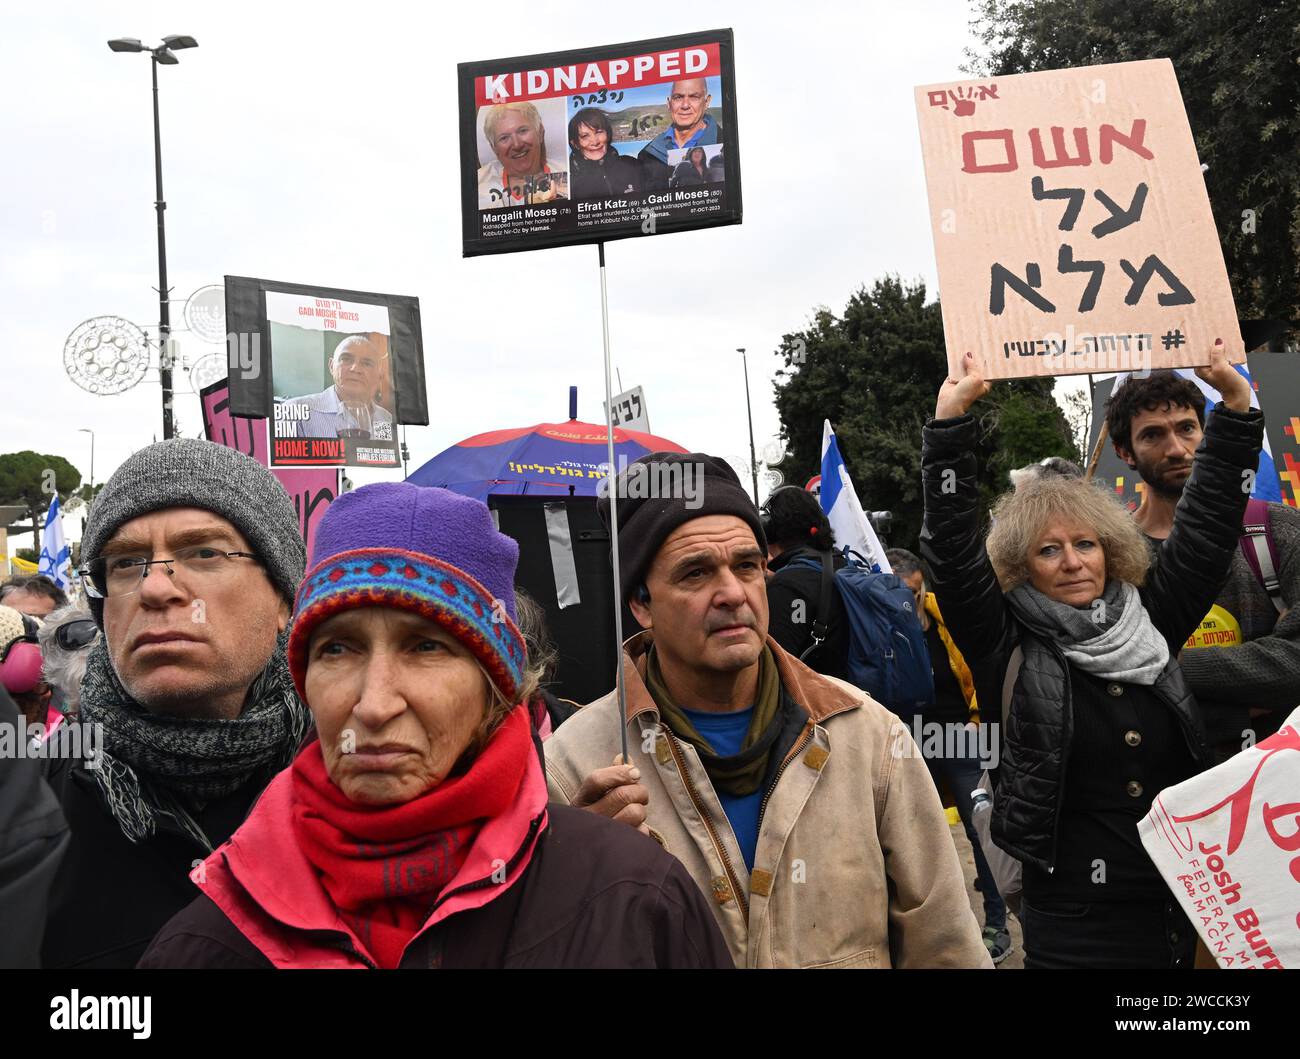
(438,591)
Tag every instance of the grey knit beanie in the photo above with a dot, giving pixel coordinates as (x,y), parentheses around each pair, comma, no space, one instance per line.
(186,472)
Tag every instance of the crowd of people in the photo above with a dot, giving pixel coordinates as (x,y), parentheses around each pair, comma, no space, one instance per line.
(353,759)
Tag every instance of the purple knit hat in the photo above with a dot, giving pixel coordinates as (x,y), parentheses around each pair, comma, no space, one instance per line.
(416,548)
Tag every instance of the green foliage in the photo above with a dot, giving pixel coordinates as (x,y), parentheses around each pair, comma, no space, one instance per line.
(875,373)
(1236,66)
(31,479)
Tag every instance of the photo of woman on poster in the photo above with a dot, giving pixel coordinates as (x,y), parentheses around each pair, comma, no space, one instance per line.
(521,174)
(692,171)
(596,168)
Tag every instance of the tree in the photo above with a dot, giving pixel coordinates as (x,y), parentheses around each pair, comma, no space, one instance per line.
(33,480)
(875,373)
(1078,413)
(1236,65)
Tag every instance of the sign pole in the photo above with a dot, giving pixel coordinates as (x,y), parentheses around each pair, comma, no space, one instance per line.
(613,515)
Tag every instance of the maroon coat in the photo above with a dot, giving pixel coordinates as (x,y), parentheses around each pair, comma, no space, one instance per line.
(578,891)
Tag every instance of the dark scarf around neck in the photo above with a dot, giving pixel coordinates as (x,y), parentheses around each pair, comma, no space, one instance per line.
(154,768)
(739,775)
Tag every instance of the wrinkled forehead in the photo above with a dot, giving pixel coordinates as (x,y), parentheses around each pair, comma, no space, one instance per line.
(689,85)
(189,524)
(513,121)
(719,538)
(1064,527)
(358,347)
(1164,414)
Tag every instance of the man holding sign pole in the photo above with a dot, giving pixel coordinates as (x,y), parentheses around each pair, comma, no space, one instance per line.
(800,805)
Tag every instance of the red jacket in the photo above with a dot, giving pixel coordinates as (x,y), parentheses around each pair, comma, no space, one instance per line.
(572,890)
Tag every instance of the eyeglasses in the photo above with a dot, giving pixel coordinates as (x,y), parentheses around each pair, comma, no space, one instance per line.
(121,575)
(74,635)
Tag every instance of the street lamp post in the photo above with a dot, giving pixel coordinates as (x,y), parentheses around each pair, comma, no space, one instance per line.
(87,430)
(160,54)
(753,459)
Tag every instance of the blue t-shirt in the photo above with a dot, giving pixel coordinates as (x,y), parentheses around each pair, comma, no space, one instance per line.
(725,732)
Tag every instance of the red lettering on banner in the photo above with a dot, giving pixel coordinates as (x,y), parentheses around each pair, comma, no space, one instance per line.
(697,60)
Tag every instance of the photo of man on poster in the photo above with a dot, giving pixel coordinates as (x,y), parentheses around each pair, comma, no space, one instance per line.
(691,126)
(348,408)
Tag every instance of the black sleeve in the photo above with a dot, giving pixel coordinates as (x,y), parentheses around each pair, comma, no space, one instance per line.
(33,839)
(1195,558)
(974,608)
(790,614)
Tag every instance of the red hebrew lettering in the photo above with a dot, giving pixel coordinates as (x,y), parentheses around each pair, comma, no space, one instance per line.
(1084,156)
(1133,141)
(969,163)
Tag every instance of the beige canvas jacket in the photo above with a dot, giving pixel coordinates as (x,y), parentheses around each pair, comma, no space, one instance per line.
(854,866)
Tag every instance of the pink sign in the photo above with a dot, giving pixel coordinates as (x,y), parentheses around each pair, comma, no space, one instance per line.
(311,489)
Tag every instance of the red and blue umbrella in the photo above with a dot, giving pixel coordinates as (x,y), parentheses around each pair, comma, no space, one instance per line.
(558,459)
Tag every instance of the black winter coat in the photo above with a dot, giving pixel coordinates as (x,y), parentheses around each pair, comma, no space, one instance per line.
(110,896)
(1035,743)
(33,838)
(613,176)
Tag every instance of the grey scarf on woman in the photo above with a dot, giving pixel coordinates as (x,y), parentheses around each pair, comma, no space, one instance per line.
(152,766)
(1112,639)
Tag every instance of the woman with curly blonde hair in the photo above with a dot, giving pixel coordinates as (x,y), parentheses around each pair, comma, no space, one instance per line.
(1075,630)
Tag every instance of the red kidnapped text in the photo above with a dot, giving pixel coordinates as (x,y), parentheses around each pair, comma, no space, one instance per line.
(697,61)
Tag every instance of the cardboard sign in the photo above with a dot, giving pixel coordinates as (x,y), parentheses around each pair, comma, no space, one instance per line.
(1227,843)
(599,143)
(1071,224)
(312,490)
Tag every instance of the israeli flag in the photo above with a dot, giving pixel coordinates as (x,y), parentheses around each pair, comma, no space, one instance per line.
(1268,486)
(840,502)
(56,557)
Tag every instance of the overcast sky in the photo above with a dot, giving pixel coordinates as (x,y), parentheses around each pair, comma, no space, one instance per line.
(317,143)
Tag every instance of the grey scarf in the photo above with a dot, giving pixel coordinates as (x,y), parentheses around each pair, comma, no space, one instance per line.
(153,766)
(1112,639)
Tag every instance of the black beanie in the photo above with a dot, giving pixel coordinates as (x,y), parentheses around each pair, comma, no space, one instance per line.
(664,490)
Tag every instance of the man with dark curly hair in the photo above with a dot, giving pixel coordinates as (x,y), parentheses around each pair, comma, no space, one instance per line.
(1242,663)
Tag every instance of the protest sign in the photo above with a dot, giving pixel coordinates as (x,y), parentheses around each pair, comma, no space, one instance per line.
(311,489)
(599,143)
(629,411)
(335,370)
(1071,224)
(1227,843)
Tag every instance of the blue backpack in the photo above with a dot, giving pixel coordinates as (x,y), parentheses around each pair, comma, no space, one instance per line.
(888,657)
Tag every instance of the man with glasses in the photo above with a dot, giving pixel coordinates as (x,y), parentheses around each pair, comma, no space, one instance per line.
(191,558)
(347,409)
(690,126)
